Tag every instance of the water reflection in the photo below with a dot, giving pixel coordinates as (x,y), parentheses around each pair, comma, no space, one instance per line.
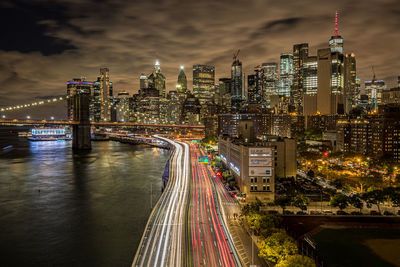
(65,209)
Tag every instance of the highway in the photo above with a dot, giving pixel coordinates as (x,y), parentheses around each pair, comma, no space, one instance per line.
(209,244)
(163,242)
(186,226)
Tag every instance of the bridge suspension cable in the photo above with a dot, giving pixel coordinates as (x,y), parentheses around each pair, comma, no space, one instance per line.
(42,102)
(34,104)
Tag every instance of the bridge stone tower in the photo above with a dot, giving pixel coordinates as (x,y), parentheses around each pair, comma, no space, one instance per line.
(81,132)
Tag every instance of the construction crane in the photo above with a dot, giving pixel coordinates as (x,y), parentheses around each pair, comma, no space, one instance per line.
(236,55)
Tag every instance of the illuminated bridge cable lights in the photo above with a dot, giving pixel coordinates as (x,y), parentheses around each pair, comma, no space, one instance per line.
(34,104)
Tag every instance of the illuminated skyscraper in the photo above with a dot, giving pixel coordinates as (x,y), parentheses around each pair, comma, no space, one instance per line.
(374,90)
(331,96)
(144,83)
(286,75)
(157,80)
(271,81)
(203,83)
(237,91)
(350,85)
(310,85)
(336,41)
(310,75)
(103,93)
(123,111)
(181,85)
(255,86)
(324,105)
(300,54)
(76,86)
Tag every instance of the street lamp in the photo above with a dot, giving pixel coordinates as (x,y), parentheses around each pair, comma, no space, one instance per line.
(52,118)
(28,117)
(4,116)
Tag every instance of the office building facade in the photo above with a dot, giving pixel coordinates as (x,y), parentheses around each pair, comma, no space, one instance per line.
(286,75)
(203,83)
(74,87)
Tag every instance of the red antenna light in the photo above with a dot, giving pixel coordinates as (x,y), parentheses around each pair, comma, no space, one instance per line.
(336,18)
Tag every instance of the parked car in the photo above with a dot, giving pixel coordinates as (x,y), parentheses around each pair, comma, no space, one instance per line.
(398,212)
(327,212)
(388,213)
(301,213)
(315,212)
(341,212)
(356,213)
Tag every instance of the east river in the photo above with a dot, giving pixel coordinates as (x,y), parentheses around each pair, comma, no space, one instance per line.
(58,208)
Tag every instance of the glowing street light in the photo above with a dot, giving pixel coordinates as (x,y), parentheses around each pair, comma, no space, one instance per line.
(28,117)
(52,118)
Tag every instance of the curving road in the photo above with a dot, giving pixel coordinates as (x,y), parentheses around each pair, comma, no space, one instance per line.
(163,241)
(186,226)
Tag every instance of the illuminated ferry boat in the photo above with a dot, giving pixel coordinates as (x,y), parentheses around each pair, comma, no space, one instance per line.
(49,134)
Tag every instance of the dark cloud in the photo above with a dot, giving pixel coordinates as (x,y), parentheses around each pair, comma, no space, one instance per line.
(48,42)
(280,25)
(25,32)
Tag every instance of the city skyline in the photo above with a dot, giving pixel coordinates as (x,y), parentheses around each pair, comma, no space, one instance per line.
(66,43)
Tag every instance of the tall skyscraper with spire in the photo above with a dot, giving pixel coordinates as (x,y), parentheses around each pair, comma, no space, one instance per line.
(181,85)
(336,41)
(157,80)
(331,98)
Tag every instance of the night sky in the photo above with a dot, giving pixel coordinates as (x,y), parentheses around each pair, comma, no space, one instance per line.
(46,43)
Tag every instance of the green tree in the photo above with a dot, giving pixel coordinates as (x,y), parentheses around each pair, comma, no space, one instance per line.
(283,202)
(392,194)
(277,247)
(254,222)
(356,202)
(263,225)
(368,181)
(374,197)
(250,209)
(297,261)
(301,202)
(340,201)
(269,224)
